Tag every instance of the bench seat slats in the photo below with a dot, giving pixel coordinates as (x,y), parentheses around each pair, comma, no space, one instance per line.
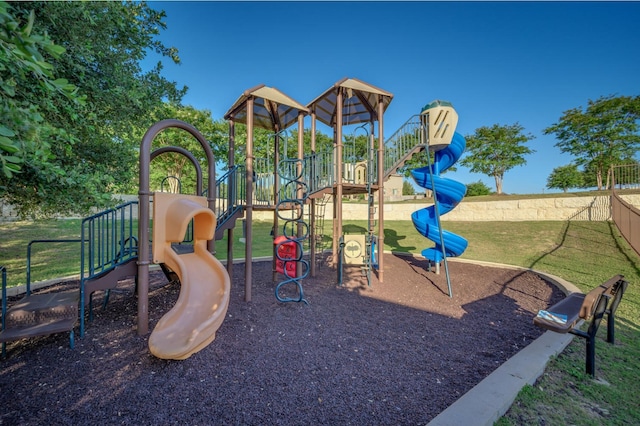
(569,306)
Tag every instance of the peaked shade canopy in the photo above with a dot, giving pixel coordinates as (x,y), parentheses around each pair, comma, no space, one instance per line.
(272,109)
(360,102)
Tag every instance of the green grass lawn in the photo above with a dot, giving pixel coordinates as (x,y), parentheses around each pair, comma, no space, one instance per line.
(584,253)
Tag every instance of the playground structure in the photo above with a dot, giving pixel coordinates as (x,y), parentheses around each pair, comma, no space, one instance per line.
(116,250)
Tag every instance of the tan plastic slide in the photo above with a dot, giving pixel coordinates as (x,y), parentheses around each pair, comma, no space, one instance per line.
(205,285)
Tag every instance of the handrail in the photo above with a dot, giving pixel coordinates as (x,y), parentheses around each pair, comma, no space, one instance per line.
(111,240)
(28,285)
(4,305)
(231,197)
(4,293)
(401,144)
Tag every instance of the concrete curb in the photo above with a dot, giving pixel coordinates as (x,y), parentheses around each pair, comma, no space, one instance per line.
(490,399)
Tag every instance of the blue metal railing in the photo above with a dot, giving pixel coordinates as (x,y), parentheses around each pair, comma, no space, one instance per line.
(109,239)
(320,167)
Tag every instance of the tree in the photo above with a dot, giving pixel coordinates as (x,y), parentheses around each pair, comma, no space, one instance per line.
(477,188)
(565,177)
(24,56)
(604,133)
(495,150)
(173,171)
(92,145)
(407,188)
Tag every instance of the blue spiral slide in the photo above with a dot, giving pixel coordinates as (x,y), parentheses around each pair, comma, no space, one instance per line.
(448,194)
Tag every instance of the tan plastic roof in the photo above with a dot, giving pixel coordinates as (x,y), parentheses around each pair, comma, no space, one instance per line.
(359,100)
(273,110)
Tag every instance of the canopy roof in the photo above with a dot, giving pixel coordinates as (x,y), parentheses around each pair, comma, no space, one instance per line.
(360,101)
(272,110)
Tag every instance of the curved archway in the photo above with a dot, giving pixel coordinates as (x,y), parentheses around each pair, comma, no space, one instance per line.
(189,155)
(143,208)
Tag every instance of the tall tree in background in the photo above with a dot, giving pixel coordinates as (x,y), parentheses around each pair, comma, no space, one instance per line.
(95,145)
(176,167)
(604,133)
(407,188)
(495,150)
(23,132)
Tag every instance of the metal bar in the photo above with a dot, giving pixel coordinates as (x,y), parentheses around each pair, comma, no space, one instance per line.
(437,214)
(4,306)
(28,284)
(249,207)
(380,189)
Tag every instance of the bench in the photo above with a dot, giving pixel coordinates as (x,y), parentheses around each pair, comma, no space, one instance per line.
(567,315)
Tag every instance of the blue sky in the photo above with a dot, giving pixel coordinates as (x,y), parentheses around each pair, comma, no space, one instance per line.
(496,62)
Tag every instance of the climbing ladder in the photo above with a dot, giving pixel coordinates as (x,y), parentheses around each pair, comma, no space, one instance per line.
(321,204)
(292,197)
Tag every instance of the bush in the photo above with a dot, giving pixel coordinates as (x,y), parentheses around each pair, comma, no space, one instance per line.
(477,188)
(407,188)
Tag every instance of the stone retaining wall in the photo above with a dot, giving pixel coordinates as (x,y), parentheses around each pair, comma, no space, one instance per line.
(567,208)
(570,208)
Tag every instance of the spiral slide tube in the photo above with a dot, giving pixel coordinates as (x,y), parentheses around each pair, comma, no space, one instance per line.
(448,194)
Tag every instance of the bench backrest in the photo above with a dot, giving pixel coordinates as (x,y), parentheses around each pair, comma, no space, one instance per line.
(608,289)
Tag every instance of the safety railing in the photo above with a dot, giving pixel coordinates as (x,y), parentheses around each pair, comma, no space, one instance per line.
(319,170)
(109,239)
(231,194)
(264,181)
(626,216)
(30,251)
(402,144)
(4,300)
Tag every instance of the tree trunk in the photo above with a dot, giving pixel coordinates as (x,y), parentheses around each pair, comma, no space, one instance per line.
(599,179)
(498,184)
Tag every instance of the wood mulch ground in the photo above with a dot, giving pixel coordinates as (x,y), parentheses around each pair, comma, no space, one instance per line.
(397,352)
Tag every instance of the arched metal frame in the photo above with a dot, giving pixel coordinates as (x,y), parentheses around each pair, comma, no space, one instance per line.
(189,155)
(143,208)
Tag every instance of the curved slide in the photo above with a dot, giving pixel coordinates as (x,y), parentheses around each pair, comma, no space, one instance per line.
(448,194)
(205,285)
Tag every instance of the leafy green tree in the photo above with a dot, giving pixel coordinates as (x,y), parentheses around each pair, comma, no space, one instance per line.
(173,171)
(24,62)
(477,188)
(407,188)
(93,146)
(604,133)
(495,150)
(565,177)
